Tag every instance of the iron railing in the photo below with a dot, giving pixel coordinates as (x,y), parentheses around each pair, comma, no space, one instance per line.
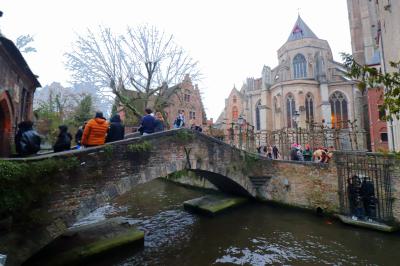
(243,136)
(365,185)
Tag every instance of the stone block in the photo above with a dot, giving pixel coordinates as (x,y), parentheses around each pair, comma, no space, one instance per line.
(213,204)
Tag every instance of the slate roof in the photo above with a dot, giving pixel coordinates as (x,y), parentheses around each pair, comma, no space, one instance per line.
(301,31)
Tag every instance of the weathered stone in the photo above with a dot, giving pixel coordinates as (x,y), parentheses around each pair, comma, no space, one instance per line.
(366,224)
(213,204)
(84,243)
(300,184)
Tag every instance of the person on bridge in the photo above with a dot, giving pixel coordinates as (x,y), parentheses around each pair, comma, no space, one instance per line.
(78,135)
(275,151)
(160,124)
(116,130)
(180,120)
(95,131)
(308,153)
(27,140)
(63,142)
(148,123)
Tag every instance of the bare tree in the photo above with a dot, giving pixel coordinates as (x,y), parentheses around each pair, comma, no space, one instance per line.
(23,43)
(136,67)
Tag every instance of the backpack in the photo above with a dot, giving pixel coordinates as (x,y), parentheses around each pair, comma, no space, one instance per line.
(178,122)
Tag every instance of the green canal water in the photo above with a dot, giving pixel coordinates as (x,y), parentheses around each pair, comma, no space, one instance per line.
(252,234)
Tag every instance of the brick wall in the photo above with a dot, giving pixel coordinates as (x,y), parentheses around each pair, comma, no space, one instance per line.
(107,171)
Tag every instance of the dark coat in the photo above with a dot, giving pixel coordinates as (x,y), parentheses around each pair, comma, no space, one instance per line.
(27,141)
(116,130)
(63,142)
(148,124)
(78,135)
(294,155)
(159,126)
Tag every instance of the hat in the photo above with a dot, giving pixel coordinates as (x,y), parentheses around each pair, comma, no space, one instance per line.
(99,115)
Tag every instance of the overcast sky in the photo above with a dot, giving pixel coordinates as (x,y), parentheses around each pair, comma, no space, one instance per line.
(231,39)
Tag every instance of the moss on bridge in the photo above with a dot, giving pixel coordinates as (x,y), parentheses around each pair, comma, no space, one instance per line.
(24,185)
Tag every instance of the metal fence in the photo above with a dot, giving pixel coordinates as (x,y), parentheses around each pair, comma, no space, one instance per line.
(342,138)
(365,185)
(243,136)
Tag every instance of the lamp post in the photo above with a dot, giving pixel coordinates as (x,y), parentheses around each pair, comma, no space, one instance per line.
(240,122)
(296,117)
(232,133)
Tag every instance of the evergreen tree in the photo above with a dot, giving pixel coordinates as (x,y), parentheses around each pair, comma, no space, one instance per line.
(84,110)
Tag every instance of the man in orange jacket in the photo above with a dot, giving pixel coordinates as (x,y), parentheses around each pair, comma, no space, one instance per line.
(95,131)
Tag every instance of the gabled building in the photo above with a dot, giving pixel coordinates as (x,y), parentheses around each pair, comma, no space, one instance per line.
(17,87)
(307,87)
(184,96)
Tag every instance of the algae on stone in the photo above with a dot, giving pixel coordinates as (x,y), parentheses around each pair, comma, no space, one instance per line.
(213,204)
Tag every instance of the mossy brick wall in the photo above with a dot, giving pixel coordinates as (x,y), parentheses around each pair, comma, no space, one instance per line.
(395,174)
(303,184)
(104,172)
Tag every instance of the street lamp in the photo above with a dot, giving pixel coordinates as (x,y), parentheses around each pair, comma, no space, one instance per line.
(296,117)
(240,122)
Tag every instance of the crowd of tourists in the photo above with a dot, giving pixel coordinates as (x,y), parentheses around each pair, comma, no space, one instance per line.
(269,151)
(298,153)
(320,154)
(95,132)
(155,123)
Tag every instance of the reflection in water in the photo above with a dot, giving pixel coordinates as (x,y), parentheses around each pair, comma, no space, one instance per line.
(253,234)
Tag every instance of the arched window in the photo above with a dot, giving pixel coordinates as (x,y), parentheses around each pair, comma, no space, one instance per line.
(339,113)
(299,66)
(258,122)
(235,113)
(234,99)
(290,111)
(309,108)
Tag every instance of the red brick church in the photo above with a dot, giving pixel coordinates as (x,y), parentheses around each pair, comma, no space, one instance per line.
(17,87)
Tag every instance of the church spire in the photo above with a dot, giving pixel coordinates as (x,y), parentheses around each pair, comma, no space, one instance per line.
(301,31)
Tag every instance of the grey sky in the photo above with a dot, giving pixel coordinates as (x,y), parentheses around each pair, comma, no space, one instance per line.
(231,39)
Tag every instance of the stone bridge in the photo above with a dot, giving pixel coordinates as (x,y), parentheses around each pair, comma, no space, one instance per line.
(105,172)
(102,173)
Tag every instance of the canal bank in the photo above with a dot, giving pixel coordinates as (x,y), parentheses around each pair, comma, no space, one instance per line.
(252,234)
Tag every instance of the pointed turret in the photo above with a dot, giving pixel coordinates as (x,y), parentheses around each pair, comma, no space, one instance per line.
(301,31)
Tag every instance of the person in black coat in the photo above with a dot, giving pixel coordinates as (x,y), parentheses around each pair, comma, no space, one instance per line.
(78,135)
(116,130)
(63,142)
(27,140)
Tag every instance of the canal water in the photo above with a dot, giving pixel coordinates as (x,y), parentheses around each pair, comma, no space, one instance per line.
(252,234)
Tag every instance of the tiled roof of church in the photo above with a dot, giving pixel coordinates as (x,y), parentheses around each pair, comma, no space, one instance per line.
(301,31)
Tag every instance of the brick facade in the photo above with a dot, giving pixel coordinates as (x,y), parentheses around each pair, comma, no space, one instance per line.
(377,122)
(187,98)
(184,96)
(307,81)
(17,87)
(375,39)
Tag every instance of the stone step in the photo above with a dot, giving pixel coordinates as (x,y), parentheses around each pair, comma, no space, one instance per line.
(367,224)
(89,243)
(213,204)
(258,181)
